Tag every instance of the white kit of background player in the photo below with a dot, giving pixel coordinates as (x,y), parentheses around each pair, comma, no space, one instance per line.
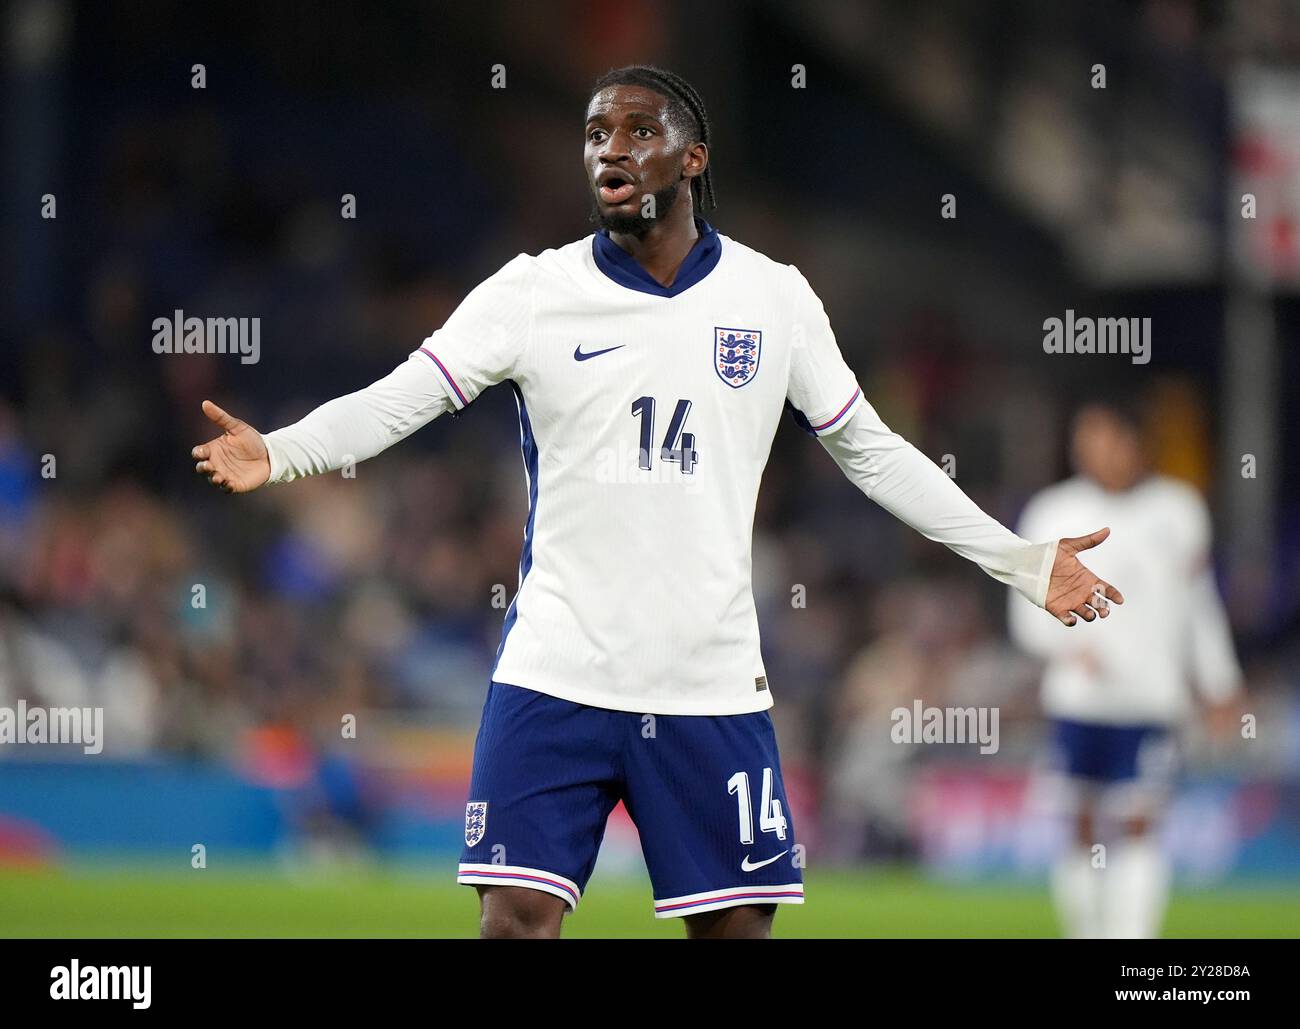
(1117,697)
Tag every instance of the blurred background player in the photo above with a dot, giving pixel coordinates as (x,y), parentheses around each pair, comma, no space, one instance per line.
(1118,696)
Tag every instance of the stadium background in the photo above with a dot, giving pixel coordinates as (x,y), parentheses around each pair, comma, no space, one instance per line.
(374,595)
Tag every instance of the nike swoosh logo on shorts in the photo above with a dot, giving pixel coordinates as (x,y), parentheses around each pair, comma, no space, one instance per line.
(745,866)
(578,355)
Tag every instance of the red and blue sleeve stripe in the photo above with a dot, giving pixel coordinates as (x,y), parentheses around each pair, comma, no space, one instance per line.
(842,412)
(445,374)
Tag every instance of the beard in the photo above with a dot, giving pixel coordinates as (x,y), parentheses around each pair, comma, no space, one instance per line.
(635,224)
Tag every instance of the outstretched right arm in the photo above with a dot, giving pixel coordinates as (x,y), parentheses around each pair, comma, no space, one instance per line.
(480,344)
(358,426)
(349,428)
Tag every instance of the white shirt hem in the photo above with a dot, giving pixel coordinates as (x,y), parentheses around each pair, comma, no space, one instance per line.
(641,705)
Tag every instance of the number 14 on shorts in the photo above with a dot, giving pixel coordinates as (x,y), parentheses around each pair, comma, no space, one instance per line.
(770,816)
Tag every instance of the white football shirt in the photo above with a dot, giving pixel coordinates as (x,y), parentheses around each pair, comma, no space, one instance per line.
(1138,666)
(646,418)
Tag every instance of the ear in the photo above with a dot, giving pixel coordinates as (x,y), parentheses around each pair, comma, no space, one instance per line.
(695,158)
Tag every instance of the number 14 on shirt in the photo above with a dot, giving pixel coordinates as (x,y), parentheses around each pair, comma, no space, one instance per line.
(685,453)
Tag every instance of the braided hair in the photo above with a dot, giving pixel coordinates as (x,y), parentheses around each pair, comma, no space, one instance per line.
(684,103)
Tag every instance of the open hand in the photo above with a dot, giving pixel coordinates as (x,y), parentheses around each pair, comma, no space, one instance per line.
(236,461)
(1074,592)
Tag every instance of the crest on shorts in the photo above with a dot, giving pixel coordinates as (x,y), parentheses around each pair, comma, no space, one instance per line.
(475,822)
(735,355)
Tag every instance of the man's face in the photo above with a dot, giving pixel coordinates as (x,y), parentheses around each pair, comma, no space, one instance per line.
(634,147)
(1107,449)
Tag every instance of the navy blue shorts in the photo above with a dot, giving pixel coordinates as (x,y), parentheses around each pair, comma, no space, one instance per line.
(1113,753)
(705,793)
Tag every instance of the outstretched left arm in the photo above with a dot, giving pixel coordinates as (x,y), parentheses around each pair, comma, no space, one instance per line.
(908,485)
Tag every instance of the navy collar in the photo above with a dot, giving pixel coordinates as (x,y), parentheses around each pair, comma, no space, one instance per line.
(620,266)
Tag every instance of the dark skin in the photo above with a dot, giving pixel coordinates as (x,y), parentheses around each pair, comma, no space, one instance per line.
(630,130)
(516,913)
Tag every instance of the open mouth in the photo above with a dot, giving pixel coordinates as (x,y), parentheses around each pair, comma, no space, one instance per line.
(615,187)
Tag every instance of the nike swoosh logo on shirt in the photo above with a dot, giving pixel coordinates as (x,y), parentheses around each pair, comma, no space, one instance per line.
(578,355)
(745,866)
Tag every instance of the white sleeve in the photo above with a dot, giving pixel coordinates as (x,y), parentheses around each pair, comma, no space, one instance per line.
(486,337)
(822,388)
(910,486)
(1045,638)
(480,344)
(1213,657)
(359,425)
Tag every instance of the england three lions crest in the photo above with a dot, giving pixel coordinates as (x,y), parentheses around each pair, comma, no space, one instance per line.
(735,355)
(475,822)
